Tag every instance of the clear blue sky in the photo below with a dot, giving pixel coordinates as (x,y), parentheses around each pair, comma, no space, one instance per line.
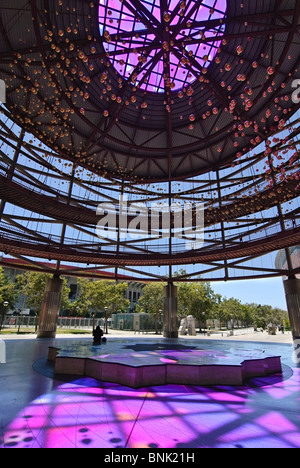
(264,292)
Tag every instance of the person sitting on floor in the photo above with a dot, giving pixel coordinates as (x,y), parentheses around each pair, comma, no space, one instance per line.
(98,333)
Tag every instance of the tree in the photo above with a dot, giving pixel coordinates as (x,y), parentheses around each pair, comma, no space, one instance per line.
(33,284)
(231,310)
(197,299)
(263,315)
(103,296)
(8,294)
(185,292)
(117,298)
(203,301)
(82,305)
(247,315)
(8,291)
(152,300)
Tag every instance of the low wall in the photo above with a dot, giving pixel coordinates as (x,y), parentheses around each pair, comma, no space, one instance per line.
(165,374)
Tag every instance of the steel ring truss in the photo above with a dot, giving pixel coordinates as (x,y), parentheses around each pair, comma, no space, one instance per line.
(232,147)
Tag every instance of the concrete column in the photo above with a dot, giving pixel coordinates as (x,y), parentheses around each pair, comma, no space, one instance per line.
(292,292)
(170,312)
(50,308)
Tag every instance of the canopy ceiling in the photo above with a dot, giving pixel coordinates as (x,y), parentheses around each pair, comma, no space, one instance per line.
(84,84)
(186,101)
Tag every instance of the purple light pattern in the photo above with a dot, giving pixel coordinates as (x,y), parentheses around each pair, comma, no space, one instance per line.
(136,49)
(80,414)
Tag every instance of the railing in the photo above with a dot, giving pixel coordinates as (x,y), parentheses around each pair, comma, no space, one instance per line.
(73,323)
(89,246)
(81,323)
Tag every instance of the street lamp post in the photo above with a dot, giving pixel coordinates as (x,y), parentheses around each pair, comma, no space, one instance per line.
(160,320)
(106,320)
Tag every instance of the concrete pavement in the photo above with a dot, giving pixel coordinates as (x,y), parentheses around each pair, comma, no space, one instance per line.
(239,335)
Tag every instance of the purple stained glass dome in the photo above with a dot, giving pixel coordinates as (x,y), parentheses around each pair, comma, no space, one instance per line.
(159,45)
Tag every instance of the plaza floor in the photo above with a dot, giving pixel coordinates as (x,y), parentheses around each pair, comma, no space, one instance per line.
(37,411)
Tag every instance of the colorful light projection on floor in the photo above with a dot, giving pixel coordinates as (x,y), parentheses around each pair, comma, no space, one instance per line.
(85,414)
(161,50)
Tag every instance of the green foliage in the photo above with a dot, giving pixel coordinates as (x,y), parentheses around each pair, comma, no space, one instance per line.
(250,314)
(263,315)
(197,299)
(8,291)
(32,285)
(152,300)
(96,295)
(193,299)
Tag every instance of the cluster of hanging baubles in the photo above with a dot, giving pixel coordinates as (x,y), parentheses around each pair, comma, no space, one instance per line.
(212,109)
(107,89)
(65,66)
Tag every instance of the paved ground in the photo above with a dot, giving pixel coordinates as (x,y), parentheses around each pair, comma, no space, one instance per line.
(37,411)
(239,335)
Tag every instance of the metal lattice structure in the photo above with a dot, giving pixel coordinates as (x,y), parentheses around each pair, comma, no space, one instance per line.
(156,102)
